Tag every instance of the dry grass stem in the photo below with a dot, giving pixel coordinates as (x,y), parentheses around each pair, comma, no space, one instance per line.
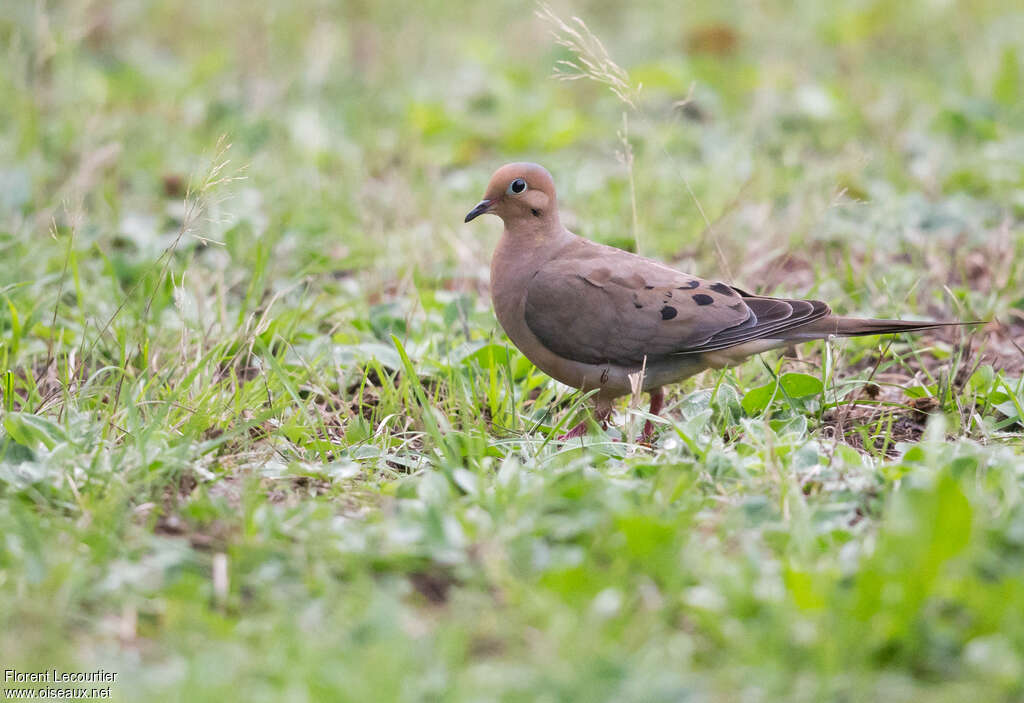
(590,58)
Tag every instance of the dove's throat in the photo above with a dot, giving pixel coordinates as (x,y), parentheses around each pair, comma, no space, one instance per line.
(518,257)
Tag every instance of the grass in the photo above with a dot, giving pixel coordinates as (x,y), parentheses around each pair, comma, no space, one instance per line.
(261,437)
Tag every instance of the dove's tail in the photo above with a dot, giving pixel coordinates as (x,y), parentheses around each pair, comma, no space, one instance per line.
(858,327)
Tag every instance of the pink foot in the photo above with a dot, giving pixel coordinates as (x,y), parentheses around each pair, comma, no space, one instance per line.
(602,410)
(657,403)
(577,431)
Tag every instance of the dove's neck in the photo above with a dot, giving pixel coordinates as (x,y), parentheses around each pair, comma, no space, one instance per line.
(521,252)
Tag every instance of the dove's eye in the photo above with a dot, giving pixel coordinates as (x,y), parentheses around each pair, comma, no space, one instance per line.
(517,186)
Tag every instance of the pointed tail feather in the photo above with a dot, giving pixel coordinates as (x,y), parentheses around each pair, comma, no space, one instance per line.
(859,327)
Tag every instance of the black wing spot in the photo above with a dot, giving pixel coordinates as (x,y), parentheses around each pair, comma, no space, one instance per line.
(690,285)
(637,305)
(723,289)
(702,299)
(648,287)
(668,312)
(668,294)
(535,212)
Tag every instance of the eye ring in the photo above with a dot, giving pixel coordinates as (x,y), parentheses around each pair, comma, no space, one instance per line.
(517,187)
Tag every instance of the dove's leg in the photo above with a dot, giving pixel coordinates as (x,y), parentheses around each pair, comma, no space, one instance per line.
(602,411)
(657,403)
(578,431)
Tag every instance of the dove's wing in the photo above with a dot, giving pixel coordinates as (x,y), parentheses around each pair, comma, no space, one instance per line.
(596,304)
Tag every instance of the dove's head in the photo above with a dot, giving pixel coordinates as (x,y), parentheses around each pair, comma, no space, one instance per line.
(519,193)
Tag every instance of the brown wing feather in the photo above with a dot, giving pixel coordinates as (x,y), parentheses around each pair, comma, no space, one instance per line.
(776,321)
(597,304)
(619,308)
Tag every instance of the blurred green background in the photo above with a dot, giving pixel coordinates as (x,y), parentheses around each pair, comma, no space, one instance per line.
(223,478)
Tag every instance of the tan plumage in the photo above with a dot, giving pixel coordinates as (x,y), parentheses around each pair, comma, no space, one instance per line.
(591,315)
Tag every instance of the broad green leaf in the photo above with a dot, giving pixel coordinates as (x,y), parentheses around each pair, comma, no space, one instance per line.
(488,355)
(801,385)
(32,430)
(757,399)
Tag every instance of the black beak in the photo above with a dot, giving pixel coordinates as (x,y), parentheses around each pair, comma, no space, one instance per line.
(481,207)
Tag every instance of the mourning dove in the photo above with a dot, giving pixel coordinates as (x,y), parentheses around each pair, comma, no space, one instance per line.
(591,315)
